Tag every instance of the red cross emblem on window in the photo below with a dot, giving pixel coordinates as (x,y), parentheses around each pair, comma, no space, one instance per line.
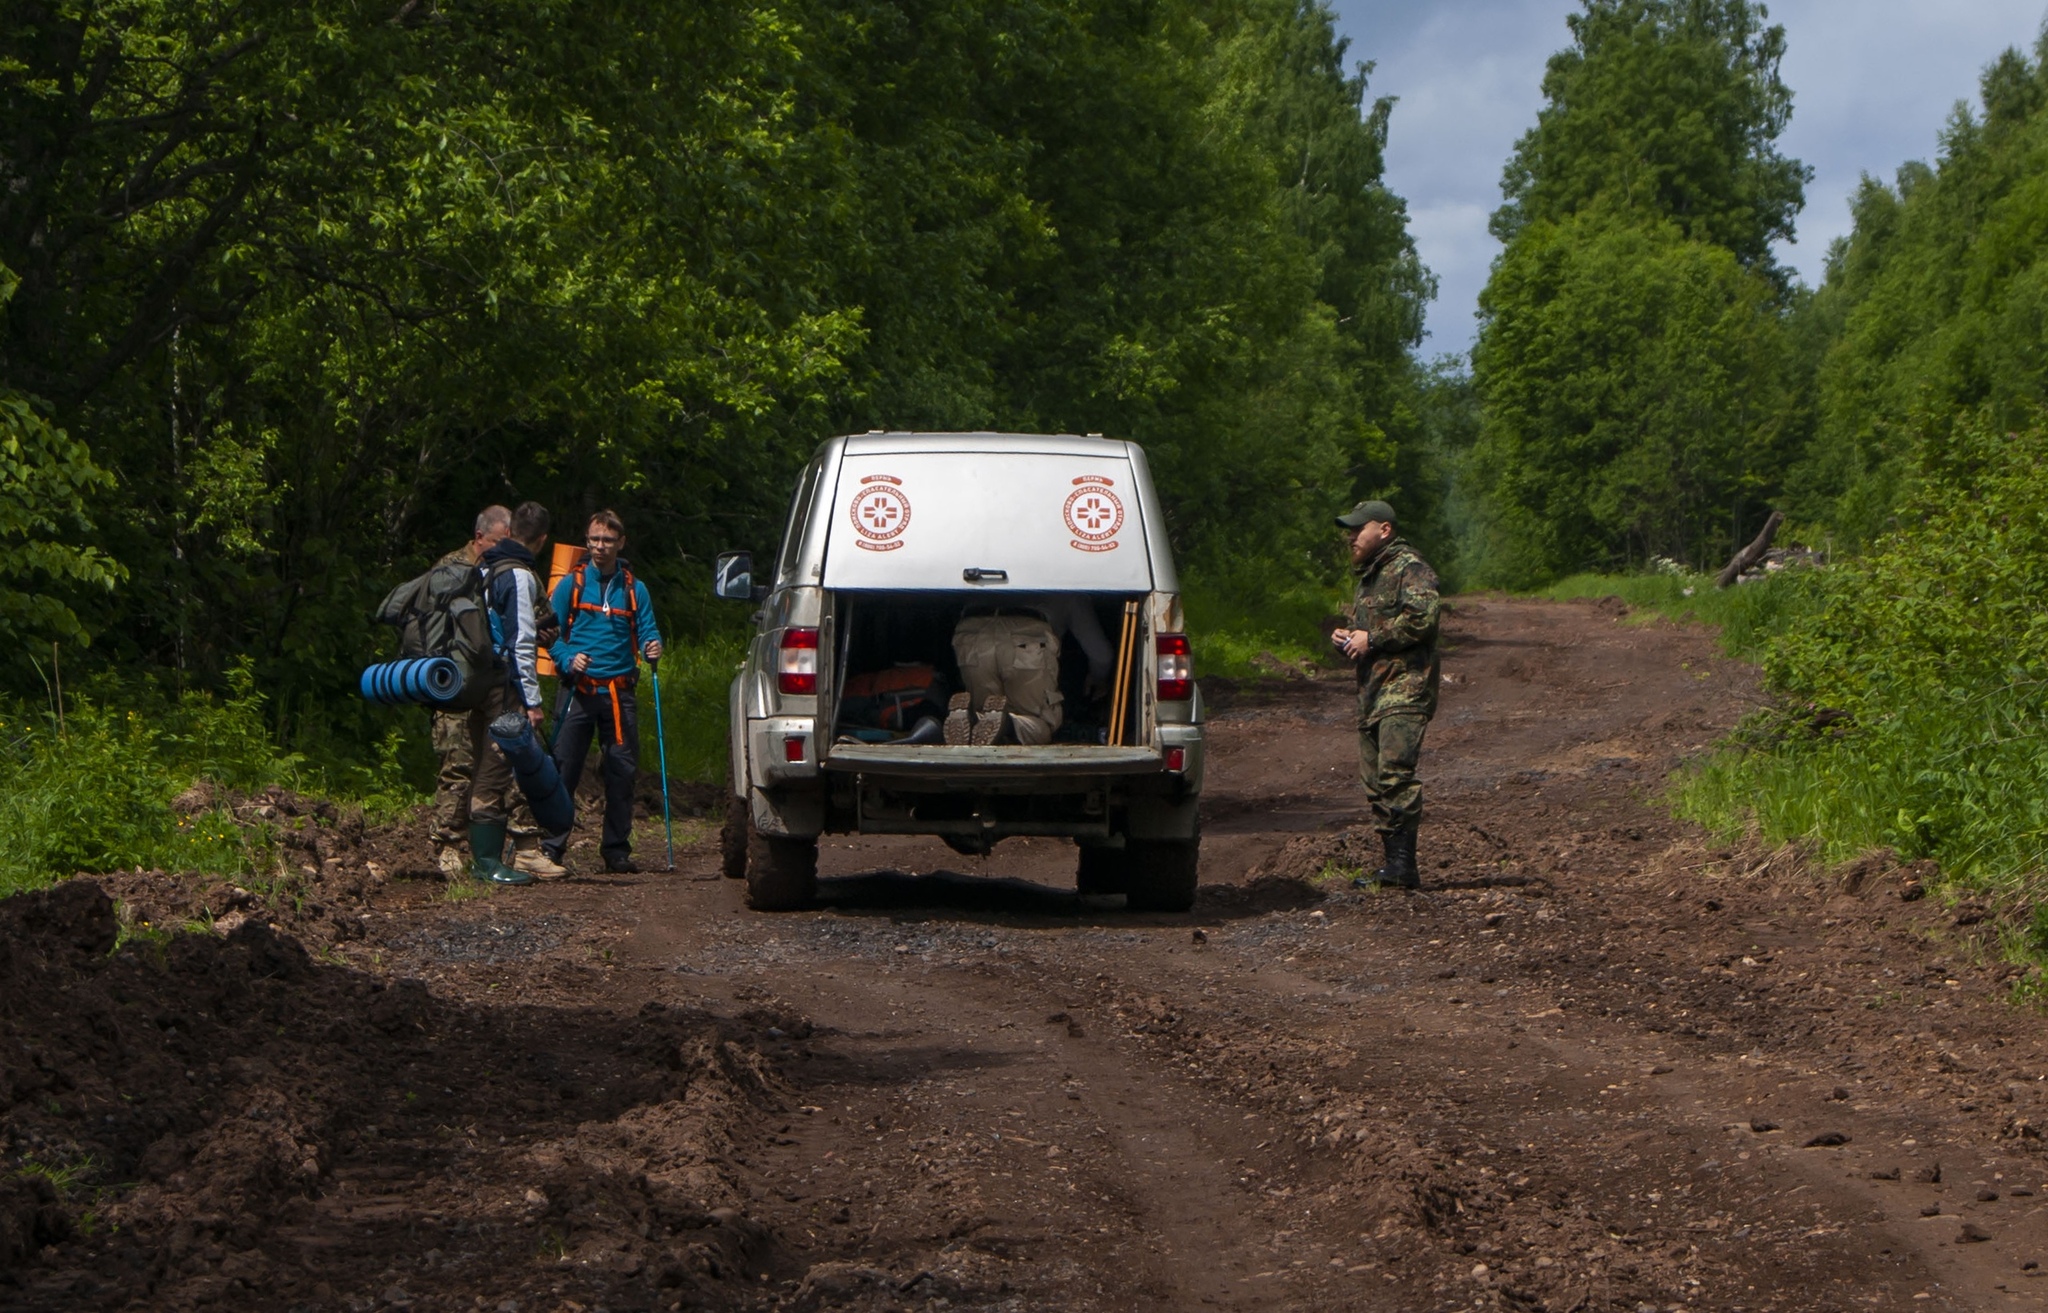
(880,514)
(1094,513)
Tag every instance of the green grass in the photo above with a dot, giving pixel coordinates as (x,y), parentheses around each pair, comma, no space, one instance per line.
(1748,615)
(94,792)
(696,675)
(1242,623)
(1959,779)
(97,797)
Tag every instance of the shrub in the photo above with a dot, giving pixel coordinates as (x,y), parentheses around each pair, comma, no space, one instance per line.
(1911,690)
(96,793)
(1242,612)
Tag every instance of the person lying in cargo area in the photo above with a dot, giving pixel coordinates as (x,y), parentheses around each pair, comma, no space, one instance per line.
(1009,655)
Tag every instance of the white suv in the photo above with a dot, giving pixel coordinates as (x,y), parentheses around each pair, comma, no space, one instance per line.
(891,539)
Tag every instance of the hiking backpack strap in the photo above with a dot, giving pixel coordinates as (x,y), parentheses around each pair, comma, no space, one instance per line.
(577,605)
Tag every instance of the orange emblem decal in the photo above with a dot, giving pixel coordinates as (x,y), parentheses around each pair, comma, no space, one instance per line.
(1094,515)
(880,514)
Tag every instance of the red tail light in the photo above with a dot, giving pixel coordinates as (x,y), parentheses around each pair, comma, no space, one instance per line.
(1176,759)
(1176,668)
(796,670)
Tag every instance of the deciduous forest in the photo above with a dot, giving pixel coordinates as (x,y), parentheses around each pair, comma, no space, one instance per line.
(291,289)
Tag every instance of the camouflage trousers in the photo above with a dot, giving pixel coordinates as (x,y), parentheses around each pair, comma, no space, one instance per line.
(1388,749)
(475,779)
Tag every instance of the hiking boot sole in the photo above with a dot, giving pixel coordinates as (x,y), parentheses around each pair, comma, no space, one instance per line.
(988,727)
(959,728)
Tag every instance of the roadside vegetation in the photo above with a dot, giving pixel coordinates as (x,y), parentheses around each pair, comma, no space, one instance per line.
(1908,704)
(1910,685)
(110,783)
(1650,384)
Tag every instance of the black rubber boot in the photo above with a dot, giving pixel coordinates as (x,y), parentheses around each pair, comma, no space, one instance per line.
(1399,871)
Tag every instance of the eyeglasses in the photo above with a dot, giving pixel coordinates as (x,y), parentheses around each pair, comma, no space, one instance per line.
(600,539)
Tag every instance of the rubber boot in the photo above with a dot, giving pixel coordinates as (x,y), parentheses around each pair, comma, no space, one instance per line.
(1399,871)
(487,854)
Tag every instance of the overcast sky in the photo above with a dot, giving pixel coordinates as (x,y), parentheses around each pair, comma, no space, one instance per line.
(1872,81)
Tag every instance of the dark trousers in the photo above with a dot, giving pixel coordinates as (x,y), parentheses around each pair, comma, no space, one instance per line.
(578,715)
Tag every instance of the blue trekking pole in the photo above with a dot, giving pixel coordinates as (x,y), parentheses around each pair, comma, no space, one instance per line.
(661,746)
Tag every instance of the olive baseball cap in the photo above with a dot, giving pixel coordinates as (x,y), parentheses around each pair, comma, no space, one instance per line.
(1364,513)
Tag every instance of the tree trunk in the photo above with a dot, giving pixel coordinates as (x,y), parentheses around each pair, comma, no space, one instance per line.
(1751,554)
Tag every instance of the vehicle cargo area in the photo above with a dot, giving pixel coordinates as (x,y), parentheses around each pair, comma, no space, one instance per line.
(896,668)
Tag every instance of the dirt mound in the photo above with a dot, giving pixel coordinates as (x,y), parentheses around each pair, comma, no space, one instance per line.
(199,1118)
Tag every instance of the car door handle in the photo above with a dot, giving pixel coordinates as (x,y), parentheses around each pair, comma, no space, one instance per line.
(975,574)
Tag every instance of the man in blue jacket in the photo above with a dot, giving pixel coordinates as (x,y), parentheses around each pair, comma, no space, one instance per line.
(513,591)
(607,623)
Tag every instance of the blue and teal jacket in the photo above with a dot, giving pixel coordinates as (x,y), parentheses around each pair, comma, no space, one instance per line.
(513,591)
(600,614)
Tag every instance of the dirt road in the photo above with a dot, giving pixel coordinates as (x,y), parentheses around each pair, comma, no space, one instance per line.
(1599,1063)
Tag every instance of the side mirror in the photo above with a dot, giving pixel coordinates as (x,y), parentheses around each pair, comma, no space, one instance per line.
(732,578)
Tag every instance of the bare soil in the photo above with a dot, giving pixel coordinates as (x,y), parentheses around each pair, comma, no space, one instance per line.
(1600,1062)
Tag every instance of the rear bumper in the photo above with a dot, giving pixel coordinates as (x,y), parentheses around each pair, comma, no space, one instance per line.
(968,767)
(975,794)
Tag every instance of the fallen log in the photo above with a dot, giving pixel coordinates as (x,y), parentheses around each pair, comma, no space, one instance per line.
(1751,554)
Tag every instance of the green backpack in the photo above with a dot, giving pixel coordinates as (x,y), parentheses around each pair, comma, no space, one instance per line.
(446,613)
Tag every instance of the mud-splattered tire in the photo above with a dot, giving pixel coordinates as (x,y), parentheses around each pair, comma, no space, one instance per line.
(732,839)
(782,874)
(1162,874)
(1102,871)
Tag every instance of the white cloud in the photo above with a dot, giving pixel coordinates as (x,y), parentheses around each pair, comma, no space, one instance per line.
(1873,81)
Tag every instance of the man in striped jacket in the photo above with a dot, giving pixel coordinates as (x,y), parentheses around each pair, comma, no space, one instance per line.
(608,624)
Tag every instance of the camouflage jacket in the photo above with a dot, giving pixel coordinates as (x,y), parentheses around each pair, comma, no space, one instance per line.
(1397,607)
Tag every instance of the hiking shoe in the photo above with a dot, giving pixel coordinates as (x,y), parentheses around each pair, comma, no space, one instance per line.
(621,866)
(993,720)
(959,727)
(452,861)
(538,864)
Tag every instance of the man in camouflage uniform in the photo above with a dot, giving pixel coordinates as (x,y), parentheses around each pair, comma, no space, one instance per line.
(1392,637)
